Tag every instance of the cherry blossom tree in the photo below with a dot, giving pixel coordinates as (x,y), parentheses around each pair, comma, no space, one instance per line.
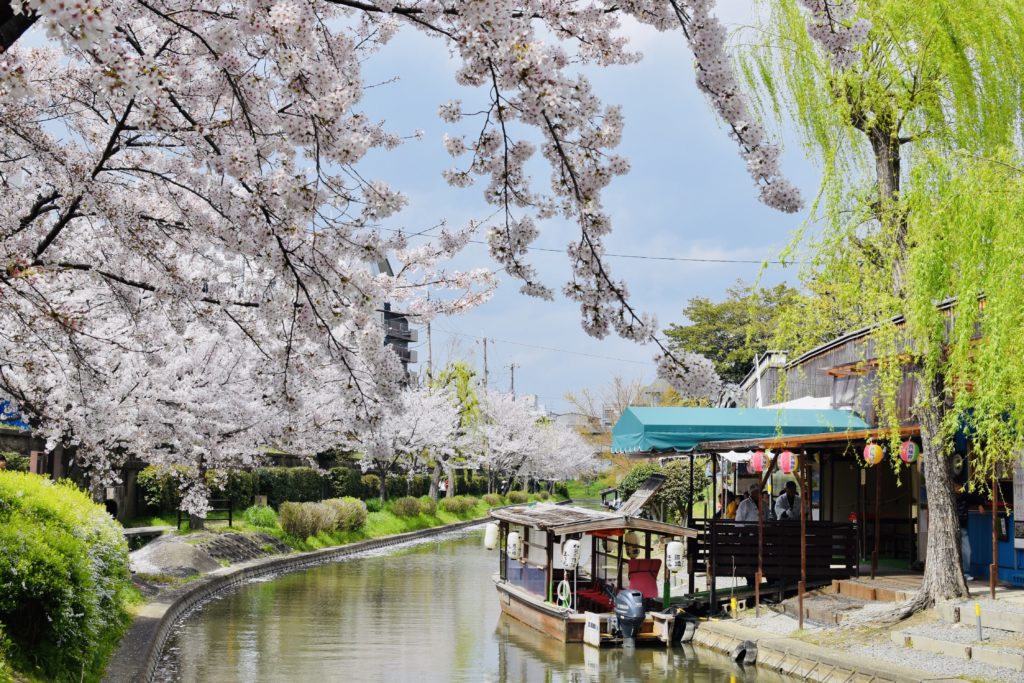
(422,419)
(179,176)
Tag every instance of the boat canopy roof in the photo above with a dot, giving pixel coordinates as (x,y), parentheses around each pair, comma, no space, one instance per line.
(680,430)
(567,519)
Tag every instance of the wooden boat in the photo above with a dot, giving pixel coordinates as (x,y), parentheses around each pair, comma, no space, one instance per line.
(574,601)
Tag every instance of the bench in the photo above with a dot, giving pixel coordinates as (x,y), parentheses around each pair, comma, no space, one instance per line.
(216,506)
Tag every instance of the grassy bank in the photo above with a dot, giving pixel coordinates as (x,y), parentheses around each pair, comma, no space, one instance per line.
(379,523)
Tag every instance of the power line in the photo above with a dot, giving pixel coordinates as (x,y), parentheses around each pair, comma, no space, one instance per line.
(545,348)
(643,257)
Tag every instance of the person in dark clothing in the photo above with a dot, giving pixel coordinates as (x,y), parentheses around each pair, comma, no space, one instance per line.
(964,502)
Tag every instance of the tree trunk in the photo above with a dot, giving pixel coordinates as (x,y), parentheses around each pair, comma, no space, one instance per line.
(383,486)
(194,521)
(450,471)
(435,478)
(943,577)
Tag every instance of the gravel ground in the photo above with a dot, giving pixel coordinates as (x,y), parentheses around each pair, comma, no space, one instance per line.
(779,624)
(952,667)
(967,634)
(1003,605)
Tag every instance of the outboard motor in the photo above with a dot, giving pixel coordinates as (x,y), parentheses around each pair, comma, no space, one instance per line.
(629,613)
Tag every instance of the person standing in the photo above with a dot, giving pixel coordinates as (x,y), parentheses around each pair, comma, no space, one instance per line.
(747,510)
(787,506)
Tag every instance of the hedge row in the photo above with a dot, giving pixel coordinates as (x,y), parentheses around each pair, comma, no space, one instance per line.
(64,579)
(159,485)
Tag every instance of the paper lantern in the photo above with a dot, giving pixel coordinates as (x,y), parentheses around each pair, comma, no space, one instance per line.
(873,454)
(909,451)
(787,462)
(758,461)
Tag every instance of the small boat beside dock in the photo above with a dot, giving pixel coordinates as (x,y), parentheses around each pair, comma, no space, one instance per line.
(582,575)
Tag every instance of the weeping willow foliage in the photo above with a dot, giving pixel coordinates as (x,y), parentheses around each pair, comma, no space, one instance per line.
(918,144)
(968,237)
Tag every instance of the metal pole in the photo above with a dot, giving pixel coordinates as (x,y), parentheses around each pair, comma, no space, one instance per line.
(993,569)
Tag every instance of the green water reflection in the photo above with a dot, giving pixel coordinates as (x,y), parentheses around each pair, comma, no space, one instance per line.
(424,613)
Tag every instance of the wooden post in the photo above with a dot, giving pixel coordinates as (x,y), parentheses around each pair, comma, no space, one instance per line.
(759,575)
(993,569)
(804,504)
(618,569)
(710,564)
(647,545)
(689,500)
(593,558)
(549,572)
(878,518)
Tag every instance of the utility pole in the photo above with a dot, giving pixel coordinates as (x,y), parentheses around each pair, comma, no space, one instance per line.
(430,351)
(485,362)
(512,367)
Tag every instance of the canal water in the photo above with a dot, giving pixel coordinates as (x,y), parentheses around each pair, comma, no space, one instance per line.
(421,613)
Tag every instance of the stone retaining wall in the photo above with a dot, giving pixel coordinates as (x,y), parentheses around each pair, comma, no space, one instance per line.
(801,660)
(138,654)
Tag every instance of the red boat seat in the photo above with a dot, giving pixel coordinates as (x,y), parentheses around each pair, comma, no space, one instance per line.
(643,577)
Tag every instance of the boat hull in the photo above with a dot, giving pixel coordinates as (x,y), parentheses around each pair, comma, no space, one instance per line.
(569,627)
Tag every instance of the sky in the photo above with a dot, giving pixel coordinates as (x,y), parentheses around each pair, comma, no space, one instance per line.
(688,195)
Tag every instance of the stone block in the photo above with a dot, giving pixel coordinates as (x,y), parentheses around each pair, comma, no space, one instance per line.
(900,638)
(990,655)
(942,647)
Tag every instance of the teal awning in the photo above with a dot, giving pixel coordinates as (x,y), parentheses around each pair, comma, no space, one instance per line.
(646,430)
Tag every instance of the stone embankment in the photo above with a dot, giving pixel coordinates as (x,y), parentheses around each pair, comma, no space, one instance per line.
(841,643)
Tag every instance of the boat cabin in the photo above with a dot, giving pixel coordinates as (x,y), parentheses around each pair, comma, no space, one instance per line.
(560,564)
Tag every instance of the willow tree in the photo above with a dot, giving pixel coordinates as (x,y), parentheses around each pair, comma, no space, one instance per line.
(916,94)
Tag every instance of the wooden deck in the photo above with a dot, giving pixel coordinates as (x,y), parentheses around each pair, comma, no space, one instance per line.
(900,587)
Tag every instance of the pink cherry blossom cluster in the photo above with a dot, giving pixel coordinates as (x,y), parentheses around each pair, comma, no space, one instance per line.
(512,442)
(192,236)
(834,25)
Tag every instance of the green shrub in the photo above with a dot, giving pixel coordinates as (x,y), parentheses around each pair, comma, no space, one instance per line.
(427,505)
(406,506)
(459,505)
(420,485)
(543,495)
(371,486)
(16,462)
(396,486)
(307,519)
(345,482)
(261,516)
(518,497)
(64,579)
(237,486)
(289,484)
(493,500)
(159,486)
(562,489)
(351,513)
(374,505)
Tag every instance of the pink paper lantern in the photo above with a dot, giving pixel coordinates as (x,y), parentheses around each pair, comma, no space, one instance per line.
(787,462)
(873,454)
(758,461)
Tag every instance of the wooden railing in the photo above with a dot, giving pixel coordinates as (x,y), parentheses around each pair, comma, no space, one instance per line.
(832,550)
